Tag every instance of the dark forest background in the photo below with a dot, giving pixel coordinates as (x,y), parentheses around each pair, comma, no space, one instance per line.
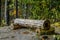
(30,9)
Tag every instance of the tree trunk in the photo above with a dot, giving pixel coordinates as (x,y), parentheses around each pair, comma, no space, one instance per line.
(7,14)
(0,12)
(16,8)
(18,23)
(21,23)
(5,11)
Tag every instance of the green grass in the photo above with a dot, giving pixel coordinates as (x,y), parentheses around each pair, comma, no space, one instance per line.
(57,24)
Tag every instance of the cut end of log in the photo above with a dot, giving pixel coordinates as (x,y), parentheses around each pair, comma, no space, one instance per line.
(46,24)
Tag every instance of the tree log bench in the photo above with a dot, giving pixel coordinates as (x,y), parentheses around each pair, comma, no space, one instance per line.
(28,23)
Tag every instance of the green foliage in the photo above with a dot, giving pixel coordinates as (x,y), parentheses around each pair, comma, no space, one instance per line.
(40,9)
(37,9)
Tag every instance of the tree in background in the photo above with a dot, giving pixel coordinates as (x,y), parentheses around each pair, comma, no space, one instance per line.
(34,9)
(0,12)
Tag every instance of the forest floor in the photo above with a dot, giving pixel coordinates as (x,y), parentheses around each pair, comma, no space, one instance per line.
(8,34)
(21,34)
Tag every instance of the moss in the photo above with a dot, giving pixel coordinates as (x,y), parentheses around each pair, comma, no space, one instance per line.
(47,32)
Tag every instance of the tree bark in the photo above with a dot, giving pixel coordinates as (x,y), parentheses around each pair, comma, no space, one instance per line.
(7,14)
(28,23)
(5,11)
(0,12)
(16,8)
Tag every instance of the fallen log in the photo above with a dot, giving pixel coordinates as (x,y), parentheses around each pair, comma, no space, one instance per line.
(28,23)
